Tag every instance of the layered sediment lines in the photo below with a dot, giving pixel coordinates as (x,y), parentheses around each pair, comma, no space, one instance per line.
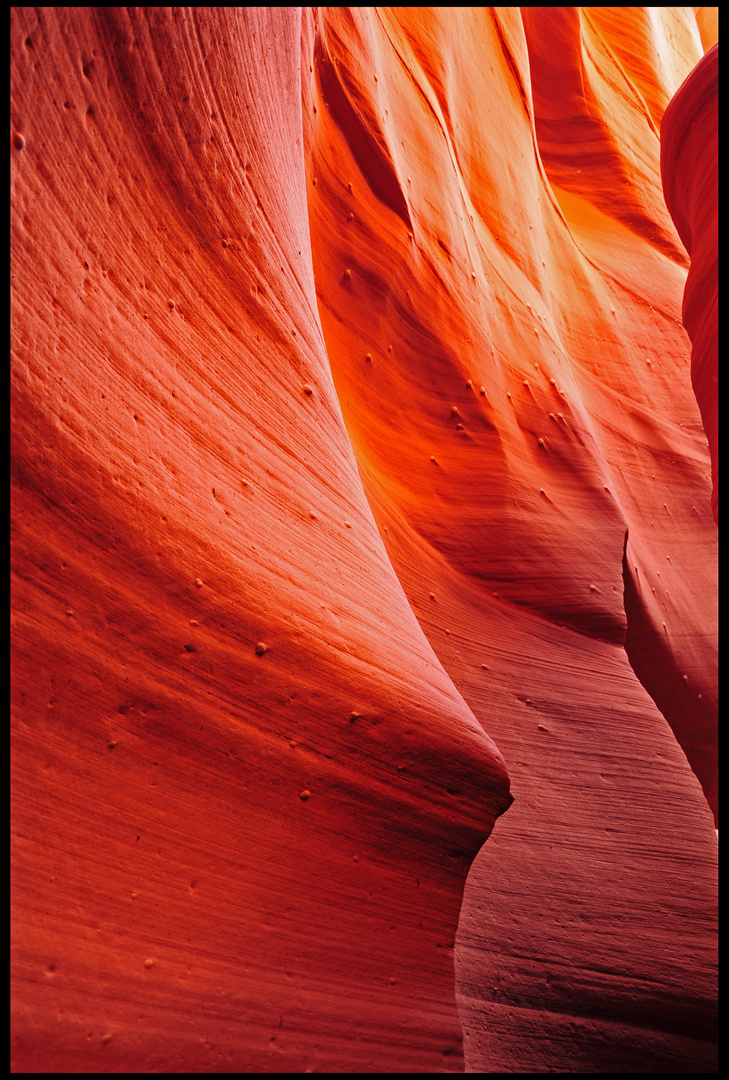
(226,858)
(514,376)
(352,429)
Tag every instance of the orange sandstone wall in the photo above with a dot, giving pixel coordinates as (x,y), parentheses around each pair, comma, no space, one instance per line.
(352,421)
(223,861)
(499,284)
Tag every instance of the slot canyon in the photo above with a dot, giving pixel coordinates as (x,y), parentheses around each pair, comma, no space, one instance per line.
(364,502)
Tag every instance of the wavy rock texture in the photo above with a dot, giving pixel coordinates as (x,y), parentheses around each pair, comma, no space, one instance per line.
(181,903)
(526,432)
(689,164)
(352,420)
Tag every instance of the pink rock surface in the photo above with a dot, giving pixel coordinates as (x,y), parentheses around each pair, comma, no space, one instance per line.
(352,420)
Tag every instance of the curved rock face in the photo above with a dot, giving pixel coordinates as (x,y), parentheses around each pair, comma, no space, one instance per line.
(499,284)
(352,420)
(223,860)
(689,163)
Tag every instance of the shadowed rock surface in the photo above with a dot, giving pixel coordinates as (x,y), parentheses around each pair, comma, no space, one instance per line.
(689,166)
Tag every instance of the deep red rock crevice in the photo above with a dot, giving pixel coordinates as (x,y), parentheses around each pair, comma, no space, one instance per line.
(689,164)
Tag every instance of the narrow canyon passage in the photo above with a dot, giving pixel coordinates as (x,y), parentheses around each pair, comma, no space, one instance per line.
(348,731)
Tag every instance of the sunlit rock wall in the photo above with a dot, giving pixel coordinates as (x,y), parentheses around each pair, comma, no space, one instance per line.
(223,860)
(352,427)
(500,286)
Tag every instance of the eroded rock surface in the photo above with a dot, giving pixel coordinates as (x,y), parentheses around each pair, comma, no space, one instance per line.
(185,492)
(353,429)
(500,286)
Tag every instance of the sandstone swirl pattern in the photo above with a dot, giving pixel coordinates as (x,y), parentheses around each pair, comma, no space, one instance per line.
(352,429)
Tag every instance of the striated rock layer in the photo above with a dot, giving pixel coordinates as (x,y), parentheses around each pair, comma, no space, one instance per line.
(223,861)
(352,420)
(499,283)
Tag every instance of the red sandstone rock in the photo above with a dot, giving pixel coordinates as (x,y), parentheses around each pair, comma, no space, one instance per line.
(507,229)
(245,791)
(178,903)
(689,162)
